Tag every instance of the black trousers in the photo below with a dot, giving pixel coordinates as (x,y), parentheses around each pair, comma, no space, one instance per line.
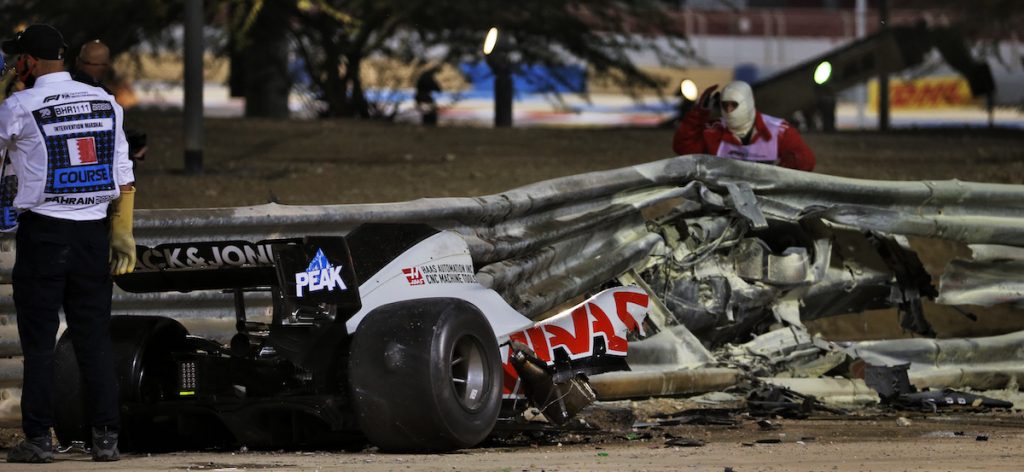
(64,263)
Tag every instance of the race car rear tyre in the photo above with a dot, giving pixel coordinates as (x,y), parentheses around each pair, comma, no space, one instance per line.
(425,376)
(142,347)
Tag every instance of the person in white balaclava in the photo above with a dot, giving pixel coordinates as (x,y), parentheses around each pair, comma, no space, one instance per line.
(742,133)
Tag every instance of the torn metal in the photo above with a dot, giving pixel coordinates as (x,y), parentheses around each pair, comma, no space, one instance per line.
(893,386)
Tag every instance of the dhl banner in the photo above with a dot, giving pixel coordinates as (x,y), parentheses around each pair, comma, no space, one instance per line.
(928,92)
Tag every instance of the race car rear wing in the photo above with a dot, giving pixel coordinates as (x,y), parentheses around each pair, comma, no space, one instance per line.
(190,266)
(307,271)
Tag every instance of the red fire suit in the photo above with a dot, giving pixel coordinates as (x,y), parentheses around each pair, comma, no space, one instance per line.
(698,136)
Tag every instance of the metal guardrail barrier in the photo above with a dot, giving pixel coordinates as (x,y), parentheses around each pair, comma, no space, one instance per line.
(980,363)
(541,244)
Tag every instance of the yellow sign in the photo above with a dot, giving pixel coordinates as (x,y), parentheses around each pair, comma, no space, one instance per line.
(929,92)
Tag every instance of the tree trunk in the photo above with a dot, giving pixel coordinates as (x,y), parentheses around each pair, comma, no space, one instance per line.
(265,57)
(236,70)
(357,104)
(334,87)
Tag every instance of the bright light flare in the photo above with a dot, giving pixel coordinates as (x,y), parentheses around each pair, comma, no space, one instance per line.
(689,89)
(822,72)
(490,41)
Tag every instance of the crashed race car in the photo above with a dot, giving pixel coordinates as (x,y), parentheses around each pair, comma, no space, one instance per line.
(714,263)
(384,333)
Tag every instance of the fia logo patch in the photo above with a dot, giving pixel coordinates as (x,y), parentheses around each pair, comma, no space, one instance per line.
(320,275)
(82,151)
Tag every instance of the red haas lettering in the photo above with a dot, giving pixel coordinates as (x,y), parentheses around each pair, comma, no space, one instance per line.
(574,331)
(577,340)
(623,300)
(603,326)
(540,342)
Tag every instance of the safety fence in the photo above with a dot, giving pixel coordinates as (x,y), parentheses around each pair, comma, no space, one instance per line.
(542,244)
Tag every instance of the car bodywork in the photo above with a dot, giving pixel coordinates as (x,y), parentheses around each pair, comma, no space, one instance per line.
(384,333)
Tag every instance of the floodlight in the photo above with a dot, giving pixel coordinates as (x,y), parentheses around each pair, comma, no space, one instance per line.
(823,72)
(490,41)
(689,89)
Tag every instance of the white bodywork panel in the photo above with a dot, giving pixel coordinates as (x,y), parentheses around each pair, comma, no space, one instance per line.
(439,266)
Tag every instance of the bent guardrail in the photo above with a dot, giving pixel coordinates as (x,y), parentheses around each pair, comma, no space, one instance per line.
(544,243)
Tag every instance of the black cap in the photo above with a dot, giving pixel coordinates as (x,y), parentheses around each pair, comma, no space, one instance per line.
(39,41)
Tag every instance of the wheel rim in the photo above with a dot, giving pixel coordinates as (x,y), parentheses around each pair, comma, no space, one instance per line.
(468,372)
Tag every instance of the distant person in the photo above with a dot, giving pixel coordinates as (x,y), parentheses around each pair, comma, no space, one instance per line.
(426,85)
(93,64)
(92,67)
(66,144)
(742,133)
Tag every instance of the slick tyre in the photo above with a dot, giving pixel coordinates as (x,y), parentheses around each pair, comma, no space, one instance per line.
(425,376)
(145,370)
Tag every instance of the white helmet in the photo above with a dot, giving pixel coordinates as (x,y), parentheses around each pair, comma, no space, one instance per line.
(740,120)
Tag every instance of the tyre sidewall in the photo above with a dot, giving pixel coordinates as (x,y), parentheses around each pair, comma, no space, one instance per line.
(400,376)
(462,423)
(139,342)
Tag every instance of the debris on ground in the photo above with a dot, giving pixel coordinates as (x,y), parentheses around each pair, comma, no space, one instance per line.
(684,442)
(894,388)
(698,416)
(773,401)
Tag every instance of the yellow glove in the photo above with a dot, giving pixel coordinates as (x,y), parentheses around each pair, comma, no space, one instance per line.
(122,242)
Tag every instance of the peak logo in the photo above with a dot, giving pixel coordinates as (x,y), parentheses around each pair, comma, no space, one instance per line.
(320,275)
